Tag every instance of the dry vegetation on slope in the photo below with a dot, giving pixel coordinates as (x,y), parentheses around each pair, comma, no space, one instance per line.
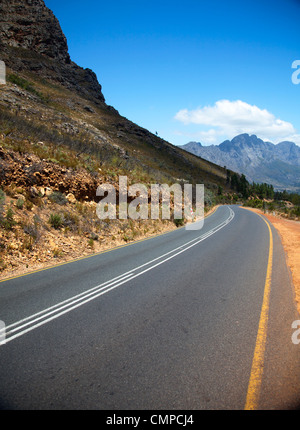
(55,149)
(59,141)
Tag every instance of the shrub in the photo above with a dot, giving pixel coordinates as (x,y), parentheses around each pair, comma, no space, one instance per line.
(56,221)
(209,198)
(296,211)
(27,244)
(59,198)
(32,230)
(91,243)
(26,85)
(57,253)
(71,220)
(179,222)
(8,222)
(20,203)
(28,205)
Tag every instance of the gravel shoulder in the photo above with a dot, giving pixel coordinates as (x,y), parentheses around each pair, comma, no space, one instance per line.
(289,232)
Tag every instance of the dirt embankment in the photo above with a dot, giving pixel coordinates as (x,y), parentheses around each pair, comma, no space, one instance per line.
(46,229)
(289,232)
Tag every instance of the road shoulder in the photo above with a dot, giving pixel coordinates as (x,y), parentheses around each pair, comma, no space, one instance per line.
(289,232)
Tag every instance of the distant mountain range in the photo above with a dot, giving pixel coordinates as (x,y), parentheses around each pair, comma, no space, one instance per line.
(276,164)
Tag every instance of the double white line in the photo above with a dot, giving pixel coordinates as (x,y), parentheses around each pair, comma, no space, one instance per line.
(38,319)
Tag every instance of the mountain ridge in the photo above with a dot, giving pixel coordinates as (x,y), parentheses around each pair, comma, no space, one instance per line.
(50,99)
(260,161)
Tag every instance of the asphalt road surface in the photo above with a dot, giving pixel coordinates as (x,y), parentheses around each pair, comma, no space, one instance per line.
(168,323)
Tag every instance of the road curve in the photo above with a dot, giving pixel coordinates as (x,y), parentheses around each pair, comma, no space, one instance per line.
(171,322)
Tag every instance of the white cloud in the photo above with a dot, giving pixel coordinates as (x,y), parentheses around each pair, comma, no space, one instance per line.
(230,118)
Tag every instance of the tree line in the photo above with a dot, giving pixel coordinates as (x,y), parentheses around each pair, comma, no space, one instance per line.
(242,186)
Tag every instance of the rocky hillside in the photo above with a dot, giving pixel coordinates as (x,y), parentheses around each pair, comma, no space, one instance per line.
(59,140)
(30,25)
(260,161)
(53,94)
(31,39)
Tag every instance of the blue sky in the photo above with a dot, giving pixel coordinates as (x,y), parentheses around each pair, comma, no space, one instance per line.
(192,70)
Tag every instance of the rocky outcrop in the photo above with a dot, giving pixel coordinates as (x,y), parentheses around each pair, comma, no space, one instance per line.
(31,25)
(30,172)
(31,39)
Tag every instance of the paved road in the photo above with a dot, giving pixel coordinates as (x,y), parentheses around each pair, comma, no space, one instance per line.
(166,323)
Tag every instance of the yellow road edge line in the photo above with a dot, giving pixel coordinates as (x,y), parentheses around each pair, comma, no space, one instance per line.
(257,368)
(83,258)
(95,254)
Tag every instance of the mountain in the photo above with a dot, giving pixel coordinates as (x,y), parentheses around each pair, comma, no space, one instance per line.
(49,98)
(258,160)
(31,39)
(59,141)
